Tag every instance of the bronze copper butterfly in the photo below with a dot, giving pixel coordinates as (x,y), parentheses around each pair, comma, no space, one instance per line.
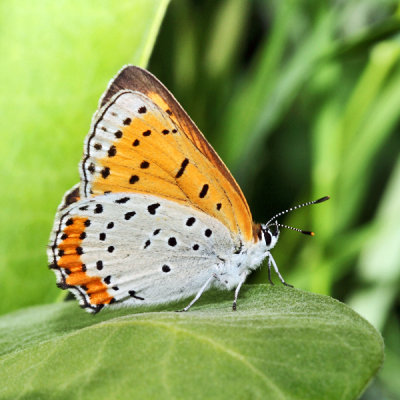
(157,216)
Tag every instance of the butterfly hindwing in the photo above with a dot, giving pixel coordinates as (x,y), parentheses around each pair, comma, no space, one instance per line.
(135,248)
(142,141)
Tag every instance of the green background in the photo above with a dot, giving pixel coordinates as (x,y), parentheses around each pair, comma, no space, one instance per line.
(300,99)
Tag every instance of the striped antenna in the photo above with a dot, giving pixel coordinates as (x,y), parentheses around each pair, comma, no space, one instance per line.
(297,229)
(322,199)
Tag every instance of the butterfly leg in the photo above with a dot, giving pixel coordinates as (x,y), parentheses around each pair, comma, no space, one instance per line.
(237,291)
(200,292)
(269,271)
(277,270)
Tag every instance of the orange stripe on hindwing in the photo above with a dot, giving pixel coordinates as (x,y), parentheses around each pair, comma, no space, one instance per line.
(70,250)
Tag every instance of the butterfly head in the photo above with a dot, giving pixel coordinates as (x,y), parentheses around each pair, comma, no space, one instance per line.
(270,234)
(270,230)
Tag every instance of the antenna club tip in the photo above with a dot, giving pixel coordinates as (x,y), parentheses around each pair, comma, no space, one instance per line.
(312,234)
(322,199)
(308,233)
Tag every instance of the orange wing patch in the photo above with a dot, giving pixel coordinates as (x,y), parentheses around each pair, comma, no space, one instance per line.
(145,143)
(138,79)
(67,260)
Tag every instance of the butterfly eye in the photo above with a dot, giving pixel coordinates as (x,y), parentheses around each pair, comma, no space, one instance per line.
(267,238)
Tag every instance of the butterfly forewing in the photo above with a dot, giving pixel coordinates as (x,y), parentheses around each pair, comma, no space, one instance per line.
(138,79)
(135,248)
(140,142)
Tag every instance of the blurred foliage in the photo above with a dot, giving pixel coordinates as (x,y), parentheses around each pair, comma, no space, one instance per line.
(300,98)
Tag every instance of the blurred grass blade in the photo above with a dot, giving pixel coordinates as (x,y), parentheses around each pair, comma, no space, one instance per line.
(379,260)
(226,37)
(383,58)
(245,104)
(361,148)
(256,111)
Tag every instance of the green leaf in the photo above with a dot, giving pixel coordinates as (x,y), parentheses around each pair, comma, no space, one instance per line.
(281,344)
(59,59)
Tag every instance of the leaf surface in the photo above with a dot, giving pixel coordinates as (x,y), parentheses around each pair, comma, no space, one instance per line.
(281,344)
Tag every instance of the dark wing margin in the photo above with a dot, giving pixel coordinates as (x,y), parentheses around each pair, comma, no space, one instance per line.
(71,196)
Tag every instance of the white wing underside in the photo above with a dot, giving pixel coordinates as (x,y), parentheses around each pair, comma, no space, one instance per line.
(145,258)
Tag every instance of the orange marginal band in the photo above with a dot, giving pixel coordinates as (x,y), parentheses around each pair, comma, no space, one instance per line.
(71,262)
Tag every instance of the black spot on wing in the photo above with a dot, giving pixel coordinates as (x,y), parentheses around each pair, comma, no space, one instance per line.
(166,268)
(152,208)
(129,215)
(184,164)
(105,172)
(112,151)
(190,221)
(98,209)
(203,191)
(122,200)
(133,179)
(172,242)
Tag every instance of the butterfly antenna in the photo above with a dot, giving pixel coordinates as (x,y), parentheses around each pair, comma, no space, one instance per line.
(322,199)
(297,230)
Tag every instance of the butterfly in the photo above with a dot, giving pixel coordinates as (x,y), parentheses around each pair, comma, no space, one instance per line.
(157,216)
